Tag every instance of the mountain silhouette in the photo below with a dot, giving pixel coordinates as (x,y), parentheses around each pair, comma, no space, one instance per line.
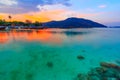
(73,23)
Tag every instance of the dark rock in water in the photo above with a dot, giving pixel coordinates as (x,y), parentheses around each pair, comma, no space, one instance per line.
(80,57)
(81,77)
(101,70)
(92,78)
(49,64)
(106,71)
(110,65)
(86,77)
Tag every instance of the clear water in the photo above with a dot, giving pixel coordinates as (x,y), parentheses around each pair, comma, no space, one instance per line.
(52,54)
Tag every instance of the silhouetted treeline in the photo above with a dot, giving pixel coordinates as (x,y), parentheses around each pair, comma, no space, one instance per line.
(18,23)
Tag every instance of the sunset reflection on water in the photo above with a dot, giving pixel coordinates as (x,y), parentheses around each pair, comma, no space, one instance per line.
(31,35)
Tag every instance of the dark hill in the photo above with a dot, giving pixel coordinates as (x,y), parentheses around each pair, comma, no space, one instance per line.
(74,23)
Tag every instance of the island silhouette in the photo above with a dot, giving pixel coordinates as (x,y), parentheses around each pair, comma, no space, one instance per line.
(72,22)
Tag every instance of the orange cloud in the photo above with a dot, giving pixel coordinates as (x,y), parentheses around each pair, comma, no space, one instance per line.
(47,15)
(2,16)
(42,16)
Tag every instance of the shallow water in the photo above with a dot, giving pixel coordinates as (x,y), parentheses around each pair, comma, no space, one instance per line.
(56,54)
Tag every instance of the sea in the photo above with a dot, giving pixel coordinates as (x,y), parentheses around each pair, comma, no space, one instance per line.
(56,54)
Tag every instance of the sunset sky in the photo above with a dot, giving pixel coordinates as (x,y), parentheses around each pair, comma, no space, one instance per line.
(103,11)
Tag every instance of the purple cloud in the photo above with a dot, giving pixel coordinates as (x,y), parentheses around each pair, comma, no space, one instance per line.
(23,6)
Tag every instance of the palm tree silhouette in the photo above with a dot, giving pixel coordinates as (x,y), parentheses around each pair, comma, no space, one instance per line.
(10,17)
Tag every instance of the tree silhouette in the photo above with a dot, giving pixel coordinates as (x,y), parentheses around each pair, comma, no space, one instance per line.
(10,17)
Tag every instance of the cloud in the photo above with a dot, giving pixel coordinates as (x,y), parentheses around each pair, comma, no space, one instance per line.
(102,6)
(49,15)
(9,6)
(51,7)
(8,2)
(24,6)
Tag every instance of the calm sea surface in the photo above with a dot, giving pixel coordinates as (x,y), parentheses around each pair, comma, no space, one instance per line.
(56,54)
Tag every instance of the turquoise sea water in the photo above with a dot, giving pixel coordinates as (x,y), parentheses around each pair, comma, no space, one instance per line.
(56,54)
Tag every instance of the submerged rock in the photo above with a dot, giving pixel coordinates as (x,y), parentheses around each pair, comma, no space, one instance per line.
(110,65)
(92,77)
(101,70)
(80,57)
(86,77)
(106,71)
(81,77)
(50,64)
